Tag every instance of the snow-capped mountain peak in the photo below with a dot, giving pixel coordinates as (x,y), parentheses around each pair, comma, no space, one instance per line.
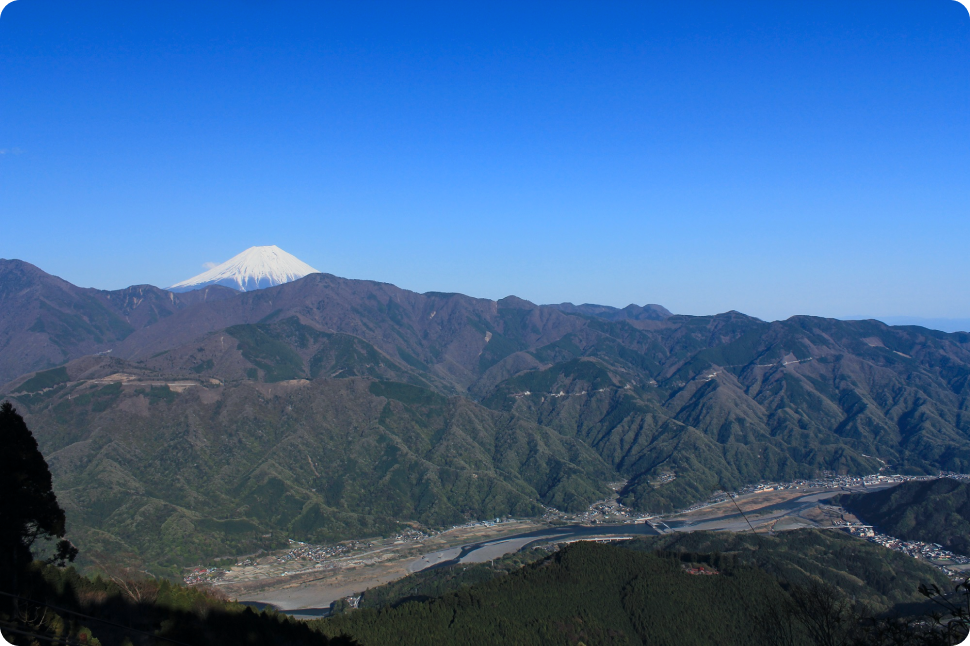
(255,268)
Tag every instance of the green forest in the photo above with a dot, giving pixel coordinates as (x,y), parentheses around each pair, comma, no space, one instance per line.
(586,593)
(345,409)
(934,511)
(759,590)
(804,587)
(869,573)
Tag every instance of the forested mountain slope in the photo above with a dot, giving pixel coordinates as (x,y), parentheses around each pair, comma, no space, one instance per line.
(586,593)
(176,477)
(633,394)
(46,321)
(877,576)
(729,399)
(640,592)
(59,606)
(935,511)
(872,574)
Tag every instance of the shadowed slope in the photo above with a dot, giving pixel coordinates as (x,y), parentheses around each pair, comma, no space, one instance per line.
(934,511)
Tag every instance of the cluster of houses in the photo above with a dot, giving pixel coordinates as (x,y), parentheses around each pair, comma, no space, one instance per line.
(307,552)
(352,601)
(320,555)
(932,552)
(204,575)
(411,535)
(492,522)
(831,481)
(828,481)
(603,511)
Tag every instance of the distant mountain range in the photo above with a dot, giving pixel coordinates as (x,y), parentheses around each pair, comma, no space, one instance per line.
(46,321)
(942,324)
(184,425)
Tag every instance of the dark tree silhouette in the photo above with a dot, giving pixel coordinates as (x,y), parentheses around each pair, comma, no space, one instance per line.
(28,506)
(950,622)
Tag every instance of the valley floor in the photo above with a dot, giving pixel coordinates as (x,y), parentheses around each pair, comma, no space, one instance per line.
(303,584)
(294,585)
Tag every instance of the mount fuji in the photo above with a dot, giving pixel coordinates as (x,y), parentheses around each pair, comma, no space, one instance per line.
(255,268)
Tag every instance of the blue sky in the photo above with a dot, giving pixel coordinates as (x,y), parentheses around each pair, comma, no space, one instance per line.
(775,158)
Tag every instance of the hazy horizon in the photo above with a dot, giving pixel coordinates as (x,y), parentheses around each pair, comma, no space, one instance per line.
(942,324)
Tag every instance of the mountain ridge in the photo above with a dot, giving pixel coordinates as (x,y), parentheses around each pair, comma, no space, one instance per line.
(46,321)
(651,312)
(707,402)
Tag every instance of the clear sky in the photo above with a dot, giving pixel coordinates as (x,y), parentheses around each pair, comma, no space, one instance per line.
(776,158)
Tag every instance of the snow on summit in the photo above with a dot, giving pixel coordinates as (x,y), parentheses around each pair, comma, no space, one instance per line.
(255,268)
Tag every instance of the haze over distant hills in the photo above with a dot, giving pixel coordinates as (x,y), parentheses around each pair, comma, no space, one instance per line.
(326,407)
(942,324)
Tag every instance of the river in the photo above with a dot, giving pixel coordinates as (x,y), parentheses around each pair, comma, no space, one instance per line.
(487,550)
